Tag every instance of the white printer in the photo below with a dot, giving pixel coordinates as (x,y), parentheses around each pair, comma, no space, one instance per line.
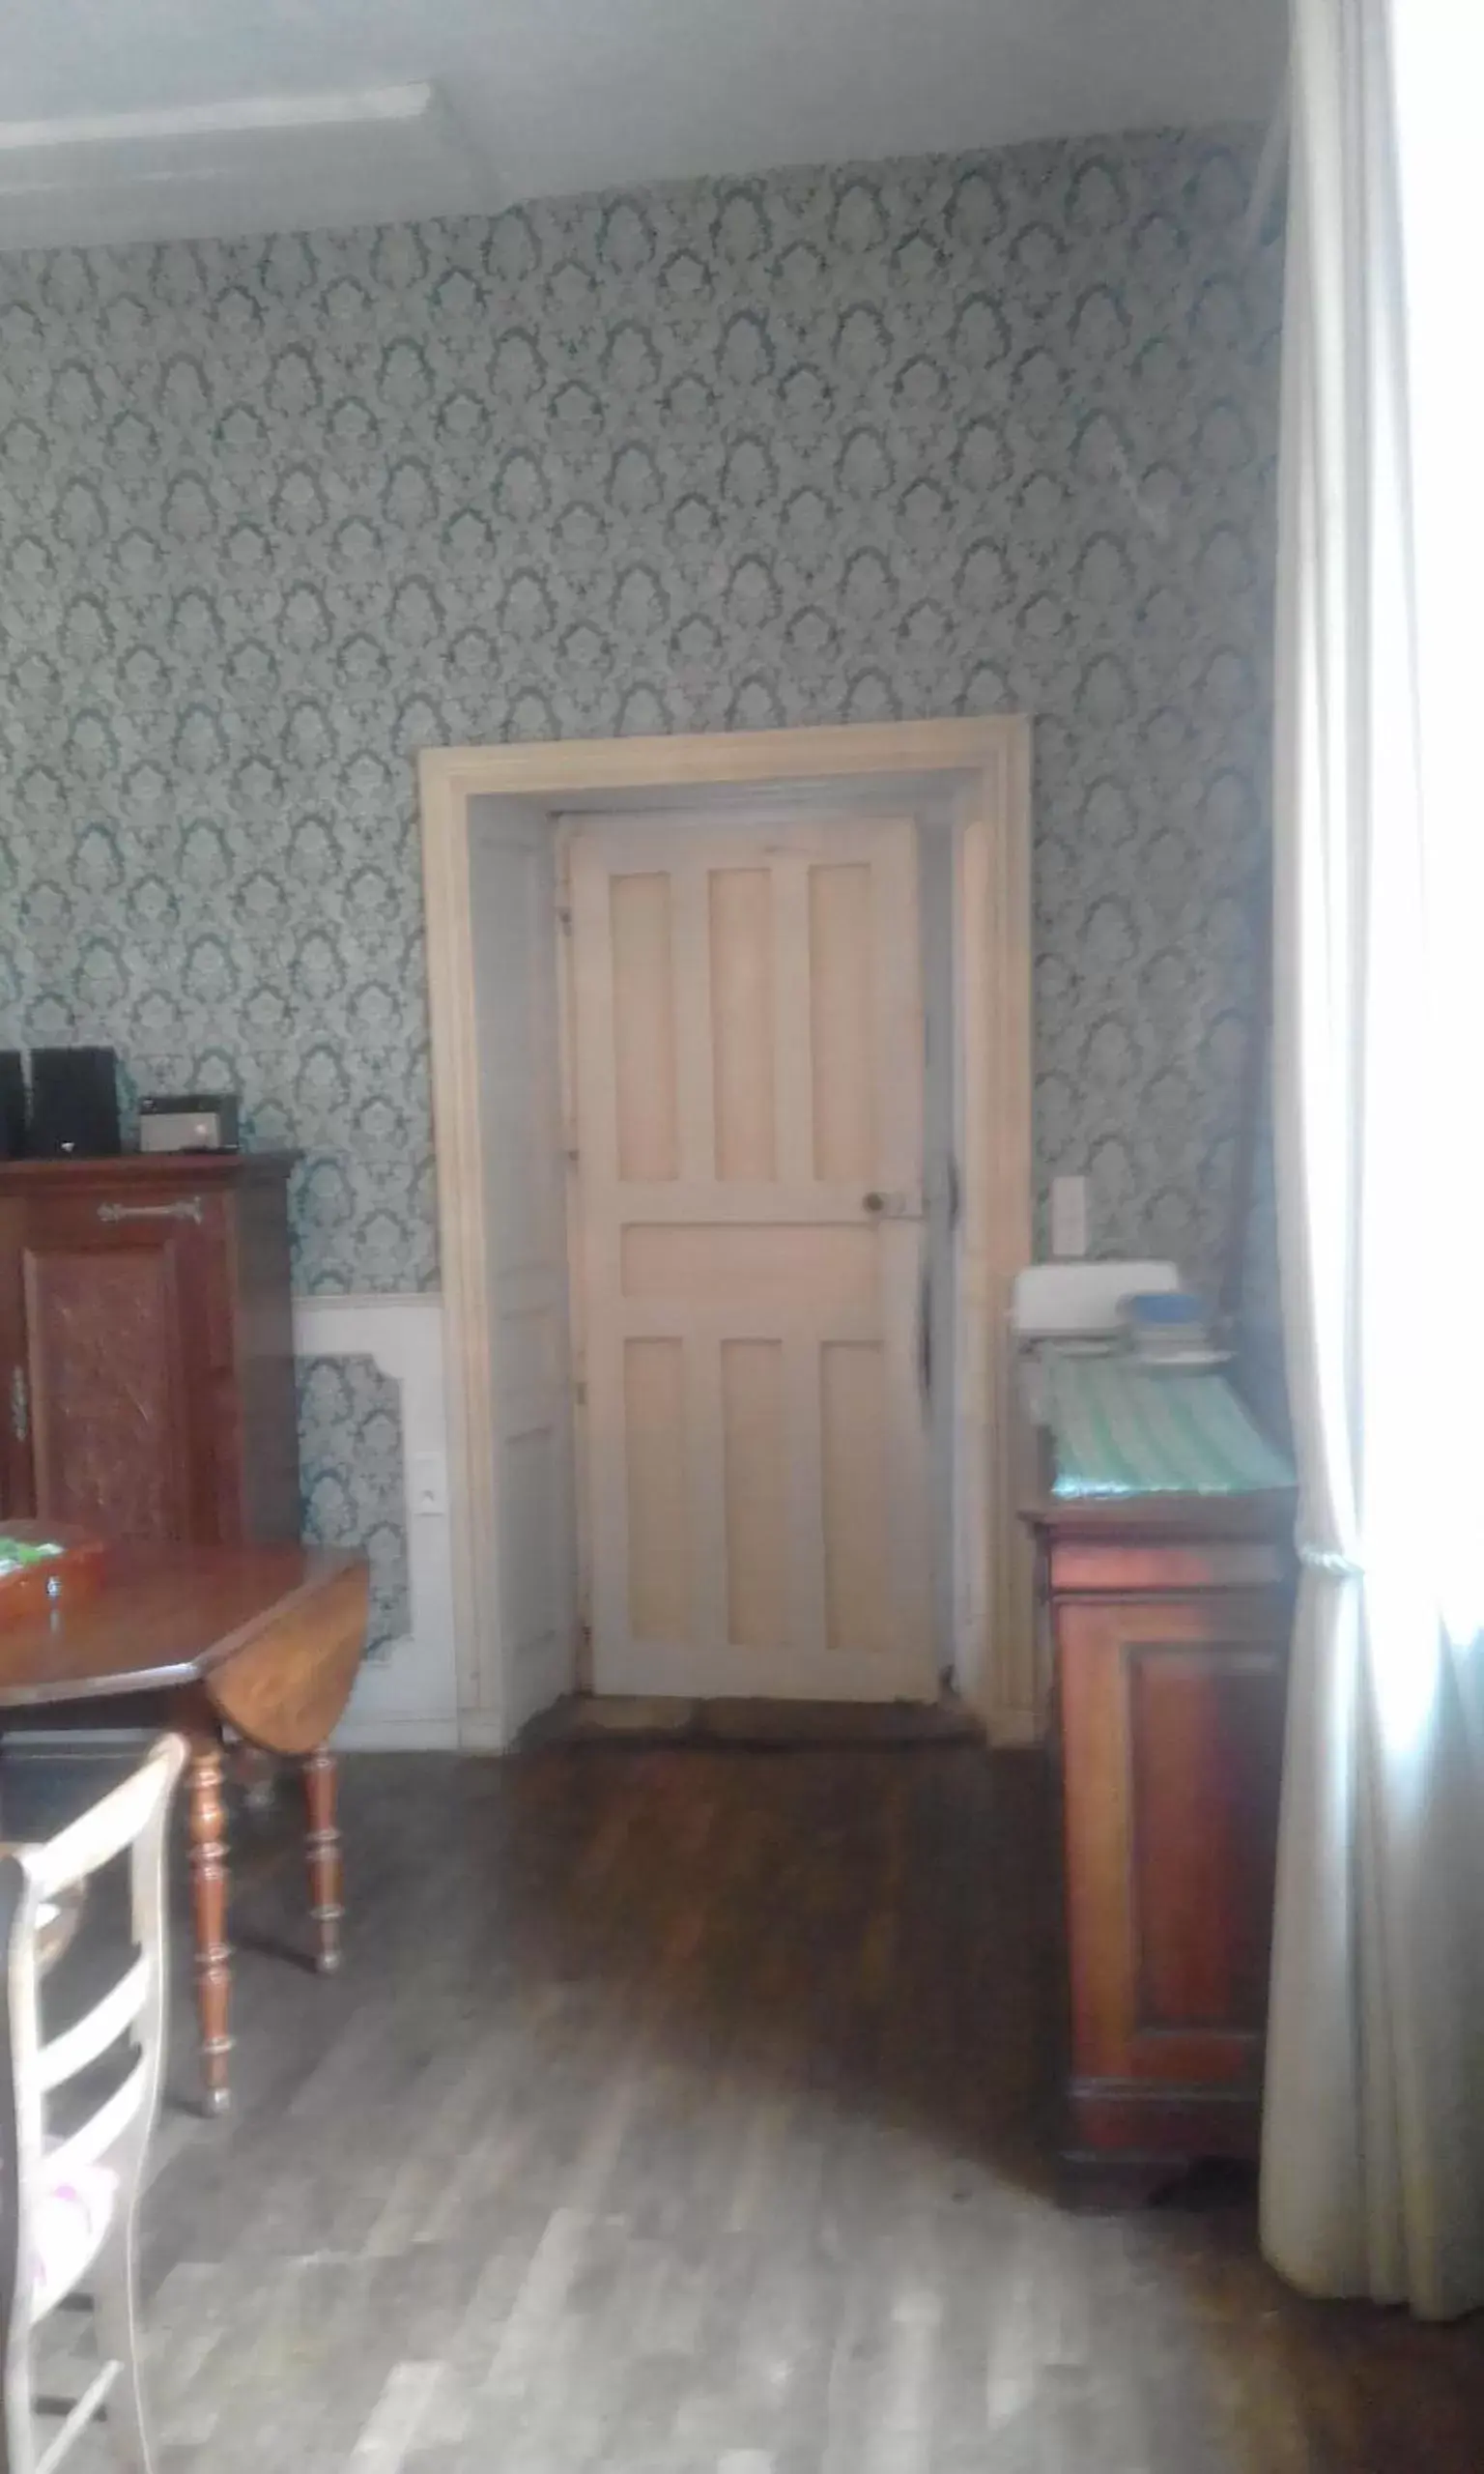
(1069,1301)
(1073,1302)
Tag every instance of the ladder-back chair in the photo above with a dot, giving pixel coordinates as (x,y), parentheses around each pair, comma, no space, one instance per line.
(68,2203)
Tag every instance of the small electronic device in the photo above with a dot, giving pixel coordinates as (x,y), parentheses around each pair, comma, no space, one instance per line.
(188,1121)
(13,1104)
(75,1104)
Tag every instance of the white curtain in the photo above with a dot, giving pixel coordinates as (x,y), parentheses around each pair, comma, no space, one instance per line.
(1373,2152)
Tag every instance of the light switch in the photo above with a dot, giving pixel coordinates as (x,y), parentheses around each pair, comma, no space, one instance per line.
(430,1485)
(1068,1215)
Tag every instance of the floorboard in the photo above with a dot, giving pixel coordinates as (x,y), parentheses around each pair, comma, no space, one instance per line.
(684,2110)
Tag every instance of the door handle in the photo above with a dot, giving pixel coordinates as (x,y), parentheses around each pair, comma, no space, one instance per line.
(900,1204)
(20,1404)
(188,1207)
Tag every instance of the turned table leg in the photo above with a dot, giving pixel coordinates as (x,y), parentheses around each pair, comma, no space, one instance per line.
(322,1846)
(209,1899)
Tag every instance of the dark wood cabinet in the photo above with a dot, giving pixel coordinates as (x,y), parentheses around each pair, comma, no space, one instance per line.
(146,1348)
(1171,1627)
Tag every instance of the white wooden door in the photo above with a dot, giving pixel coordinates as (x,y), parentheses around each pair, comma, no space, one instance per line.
(512,893)
(747,1062)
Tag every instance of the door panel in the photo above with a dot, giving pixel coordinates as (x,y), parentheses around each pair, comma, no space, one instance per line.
(658,1450)
(844,1066)
(755,1505)
(645,1108)
(749,1074)
(110,1323)
(742,1019)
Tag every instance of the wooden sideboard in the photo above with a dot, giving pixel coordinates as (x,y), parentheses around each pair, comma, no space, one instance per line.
(1170,1621)
(146,1348)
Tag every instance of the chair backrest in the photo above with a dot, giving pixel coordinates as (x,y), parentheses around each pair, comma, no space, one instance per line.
(130,1818)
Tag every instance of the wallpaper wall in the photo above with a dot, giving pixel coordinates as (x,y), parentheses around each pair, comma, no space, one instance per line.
(937,437)
(351,1469)
(948,436)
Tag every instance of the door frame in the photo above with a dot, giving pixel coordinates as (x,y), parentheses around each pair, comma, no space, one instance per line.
(983,768)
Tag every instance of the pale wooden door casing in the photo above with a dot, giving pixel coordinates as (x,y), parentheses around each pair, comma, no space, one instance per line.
(748,1066)
(512,891)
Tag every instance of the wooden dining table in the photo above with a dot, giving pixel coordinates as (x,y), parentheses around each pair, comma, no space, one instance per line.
(259,1644)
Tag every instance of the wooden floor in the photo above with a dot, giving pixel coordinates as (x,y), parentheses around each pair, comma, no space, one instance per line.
(682,2112)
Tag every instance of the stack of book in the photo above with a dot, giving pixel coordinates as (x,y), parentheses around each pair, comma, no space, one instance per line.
(1168,1327)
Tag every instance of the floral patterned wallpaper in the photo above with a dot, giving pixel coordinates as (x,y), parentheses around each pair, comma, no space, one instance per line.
(948,436)
(350,1439)
(921,438)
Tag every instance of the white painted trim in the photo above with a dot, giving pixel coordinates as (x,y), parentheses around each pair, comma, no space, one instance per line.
(1271,166)
(407,1698)
(477,1733)
(985,765)
(371,1731)
(358,104)
(1015,1730)
(81,1740)
(996,1662)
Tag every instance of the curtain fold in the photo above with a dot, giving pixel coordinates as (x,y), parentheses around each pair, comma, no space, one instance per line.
(1373,2148)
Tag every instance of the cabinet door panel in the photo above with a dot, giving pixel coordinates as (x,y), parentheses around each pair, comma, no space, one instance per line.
(146,1348)
(105,1326)
(1206,1756)
(1172,1730)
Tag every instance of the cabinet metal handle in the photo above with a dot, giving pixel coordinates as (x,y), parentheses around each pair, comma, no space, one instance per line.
(187,1208)
(20,1404)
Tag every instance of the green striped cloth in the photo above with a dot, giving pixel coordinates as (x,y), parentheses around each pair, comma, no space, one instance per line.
(1121,1429)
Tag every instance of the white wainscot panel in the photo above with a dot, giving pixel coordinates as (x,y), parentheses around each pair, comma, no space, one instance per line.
(406,1699)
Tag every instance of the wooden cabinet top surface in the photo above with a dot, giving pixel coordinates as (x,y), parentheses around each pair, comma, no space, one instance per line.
(148,1168)
(1153,1546)
(1268,1513)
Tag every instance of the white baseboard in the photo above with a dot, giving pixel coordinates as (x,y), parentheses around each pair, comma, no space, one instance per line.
(81,1740)
(479,1733)
(354,1734)
(357,1734)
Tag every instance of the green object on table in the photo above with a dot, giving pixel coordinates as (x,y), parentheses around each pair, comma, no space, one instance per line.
(1119,1429)
(18,1553)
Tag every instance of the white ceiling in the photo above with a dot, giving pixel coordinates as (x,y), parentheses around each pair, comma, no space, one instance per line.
(539,97)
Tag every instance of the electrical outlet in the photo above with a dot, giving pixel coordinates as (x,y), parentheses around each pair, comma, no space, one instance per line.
(1068,1215)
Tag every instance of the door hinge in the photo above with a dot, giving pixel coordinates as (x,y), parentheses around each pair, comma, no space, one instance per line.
(580,1394)
(20,1404)
(565,917)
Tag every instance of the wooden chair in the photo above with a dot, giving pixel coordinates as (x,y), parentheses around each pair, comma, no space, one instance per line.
(68,2205)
